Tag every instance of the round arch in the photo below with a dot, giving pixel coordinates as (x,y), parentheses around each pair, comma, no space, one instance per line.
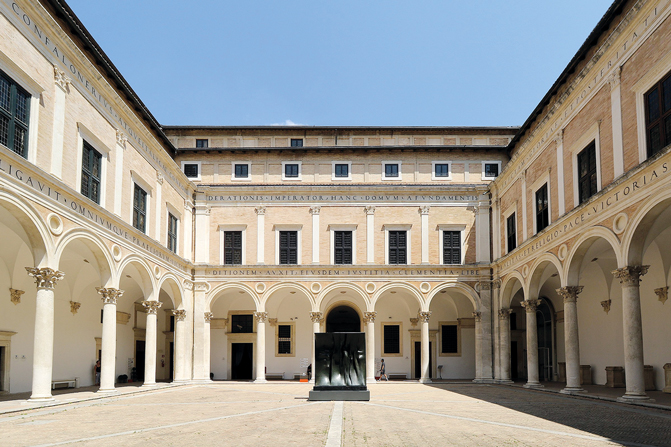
(344,303)
(38,236)
(219,290)
(341,285)
(507,288)
(144,270)
(272,292)
(464,289)
(582,244)
(173,283)
(638,230)
(97,247)
(539,266)
(399,285)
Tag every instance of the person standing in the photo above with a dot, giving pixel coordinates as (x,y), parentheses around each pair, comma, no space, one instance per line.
(383,371)
(96,368)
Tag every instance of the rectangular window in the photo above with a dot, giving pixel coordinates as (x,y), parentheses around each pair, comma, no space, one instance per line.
(91,162)
(397,247)
(658,116)
(451,247)
(284,339)
(391,339)
(542,209)
(191,170)
(233,247)
(288,247)
(342,170)
(14,115)
(491,170)
(442,170)
(140,208)
(242,324)
(587,172)
(391,170)
(172,233)
(296,142)
(342,241)
(511,232)
(202,143)
(449,342)
(241,170)
(291,170)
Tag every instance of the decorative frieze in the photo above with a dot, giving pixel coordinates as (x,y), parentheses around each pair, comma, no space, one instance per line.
(152,307)
(369,317)
(109,295)
(316,317)
(606,305)
(570,293)
(208,316)
(424,316)
(261,317)
(631,276)
(180,314)
(15,295)
(74,307)
(531,305)
(45,278)
(504,314)
(662,294)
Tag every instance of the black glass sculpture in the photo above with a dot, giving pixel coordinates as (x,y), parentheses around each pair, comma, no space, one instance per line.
(340,361)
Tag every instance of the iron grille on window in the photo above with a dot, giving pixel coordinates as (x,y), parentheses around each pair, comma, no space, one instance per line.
(233,247)
(397,247)
(296,142)
(392,339)
(241,171)
(14,114)
(202,143)
(511,232)
(452,247)
(288,247)
(242,324)
(587,172)
(449,342)
(658,116)
(91,160)
(342,241)
(284,339)
(172,233)
(291,170)
(342,170)
(442,170)
(191,170)
(391,170)
(542,210)
(491,170)
(139,208)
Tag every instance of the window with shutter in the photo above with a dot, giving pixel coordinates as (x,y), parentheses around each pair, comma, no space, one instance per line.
(658,116)
(511,232)
(172,233)
(342,241)
(139,208)
(542,209)
(14,116)
(233,247)
(587,186)
(91,161)
(288,247)
(451,247)
(397,247)
(284,339)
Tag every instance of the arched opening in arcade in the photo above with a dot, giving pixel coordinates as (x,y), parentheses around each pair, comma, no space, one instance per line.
(343,318)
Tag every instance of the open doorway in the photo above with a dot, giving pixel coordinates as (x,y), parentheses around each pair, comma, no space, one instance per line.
(343,319)
(242,361)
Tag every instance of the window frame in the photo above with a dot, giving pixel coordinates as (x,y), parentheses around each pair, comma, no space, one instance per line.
(241,179)
(440,338)
(461,229)
(293,339)
(299,242)
(400,171)
(439,178)
(342,227)
(174,235)
(349,170)
(651,77)
(300,171)
(201,140)
(578,156)
(408,242)
(592,134)
(292,140)
(136,179)
(135,222)
(509,212)
(86,135)
(87,147)
(200,170)
(241,312)
(383,348)
(169,209)
(222,242)
(15,88)
(542,180)
(490,162)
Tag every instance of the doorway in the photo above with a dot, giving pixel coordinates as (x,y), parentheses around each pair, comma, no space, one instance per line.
(418,359)
(139,360)
(545,331)
(242,355)
(343,319)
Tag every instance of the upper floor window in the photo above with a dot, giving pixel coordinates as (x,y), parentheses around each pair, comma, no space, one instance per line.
(398,247)
(91,162)
(14,115)
(658,116)
(296,142)
(202,143)
(241,170)
(441,170)
(391,170)
(233,247)
(242,323)
(291,170)
(288,247)
(587,181)
(542,208)
(172,233)
(341,170)
(511,232)
(342,245)
(191,169)
(490,169)
(140,208)
(452,247)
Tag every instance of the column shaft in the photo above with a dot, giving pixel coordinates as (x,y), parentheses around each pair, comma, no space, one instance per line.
(424,210)
(532,344)
(260,234)
(180,360)
(370,234)
(43,351)
(316,318)
(424,318)
(108,356)
(504,333)
(150,351)
(369,318)
(261,318)
(478,346)
(571,339)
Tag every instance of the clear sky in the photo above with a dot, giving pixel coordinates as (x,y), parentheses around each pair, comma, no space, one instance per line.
(344,62)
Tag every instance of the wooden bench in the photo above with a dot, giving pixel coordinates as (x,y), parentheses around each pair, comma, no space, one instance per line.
(275,376)
(65,382)
(397,376)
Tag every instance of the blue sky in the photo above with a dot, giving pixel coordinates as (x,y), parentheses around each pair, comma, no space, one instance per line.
(345,62)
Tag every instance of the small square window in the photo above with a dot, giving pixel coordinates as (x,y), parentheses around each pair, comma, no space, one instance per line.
(491,170)
(242,324)
(242,171)
(391,170)
(191,170)
(442,170)
(291,170)
(202,143)
(296,142)
(342,170)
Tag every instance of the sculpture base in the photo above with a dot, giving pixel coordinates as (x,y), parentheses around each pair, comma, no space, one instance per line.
(343,395)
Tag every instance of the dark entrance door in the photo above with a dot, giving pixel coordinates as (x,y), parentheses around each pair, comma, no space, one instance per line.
(171,368)
(139,360)
(513,360)
(2,365)
(544,322)
(343,319)
(241,363)
(418,360)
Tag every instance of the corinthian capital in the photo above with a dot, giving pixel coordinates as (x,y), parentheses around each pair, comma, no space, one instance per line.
(152,306)
(315,210)
(477,316)
(369,317)
(61,79)
(45,278)
(261,317)
(531,305)
(208,316)
(570,293)
(260,210)
(109,295)
(369,210)
(180,314)
(504,314)
(424,316)
(316,317)
(631,276)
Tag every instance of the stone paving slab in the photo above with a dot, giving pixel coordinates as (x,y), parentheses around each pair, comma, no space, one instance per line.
(278,414)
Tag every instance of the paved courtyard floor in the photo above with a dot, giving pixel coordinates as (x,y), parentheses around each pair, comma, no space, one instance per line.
(279,414)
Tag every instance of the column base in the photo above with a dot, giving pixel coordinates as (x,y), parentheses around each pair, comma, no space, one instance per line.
(201,381)
(573,390)
(484,380)
(633,398)
(260,381)
(427,380)
(180,382)
(149,385)
(311,380)
(504,381)
(45,398)
(107,391)
(533,385)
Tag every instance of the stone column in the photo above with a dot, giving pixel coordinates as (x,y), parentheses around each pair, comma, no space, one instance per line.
(630,278)
(484,327)
(504,332)
(571,340)
(261,318)
(43,349)
(482,230)
(532,343)
(260,234)
(316,318)
(150,343)
(477,316)
(180,357)
(108,356)
(314,211)
(370,234)
(424,319)
(369,319)
(424,212)
(206,336)
(200,334)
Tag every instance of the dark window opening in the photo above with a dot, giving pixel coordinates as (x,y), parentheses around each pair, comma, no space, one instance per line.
(587,172)
(291,170)
(14,115)
(442,170)
(241,171)
(449,339)
(296,142)
(202,143)
(491,170)
(392,339)
(397,247)
(191,170)
(232,247)
(139,208)
(391,170)
(288,247)
(658,116)
(91,162)
(342,170)
(511,233)
(284,339)
(542,209)
(451,247)
(172,233)
(342,241)
(242,324)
